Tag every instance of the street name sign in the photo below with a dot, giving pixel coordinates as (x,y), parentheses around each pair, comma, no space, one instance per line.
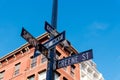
(83,56)
(29,38)
(50,29)
(54,33)
(54,41)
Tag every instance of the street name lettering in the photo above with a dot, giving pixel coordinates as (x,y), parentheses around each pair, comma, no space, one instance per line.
(54,33)
(50,29)
(67,61)
(56,40)
(86,55)
(28,37)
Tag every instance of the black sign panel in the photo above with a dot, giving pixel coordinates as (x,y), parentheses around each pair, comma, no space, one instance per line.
(86,55)
(50,29)
(29,38)
(54,33)
(56,40)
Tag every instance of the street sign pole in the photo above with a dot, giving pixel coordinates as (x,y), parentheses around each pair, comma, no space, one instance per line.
(50,66)
(49,46)
(51,54)
(54,14)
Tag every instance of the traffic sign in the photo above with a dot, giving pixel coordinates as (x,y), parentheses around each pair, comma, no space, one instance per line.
(54,33)
(86,55)
(28,37)
(50,29)
(54,41)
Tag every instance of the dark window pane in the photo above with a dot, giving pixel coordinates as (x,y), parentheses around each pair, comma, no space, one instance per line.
(17,68)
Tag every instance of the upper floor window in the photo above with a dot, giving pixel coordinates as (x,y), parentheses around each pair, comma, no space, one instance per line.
(43,59)
(31,77)
(33,61)
(42,75)
(72,70)
(65,68)
(57,76)
(57,54)
(2,75)
(17,69)
(65,78)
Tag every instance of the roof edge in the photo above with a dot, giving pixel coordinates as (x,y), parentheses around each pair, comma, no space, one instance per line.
(21,47)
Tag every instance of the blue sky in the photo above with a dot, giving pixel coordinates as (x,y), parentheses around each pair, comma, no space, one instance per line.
(88,23)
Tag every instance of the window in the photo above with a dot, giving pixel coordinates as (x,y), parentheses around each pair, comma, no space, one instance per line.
(57,76)
(72,70)
(95,76)
(65,78)
(2,75)
(43,59)
(72,53)
(83,66)
(42,75)
(31,77)
(17,69)
(65,68)
(57,54)
(33,61)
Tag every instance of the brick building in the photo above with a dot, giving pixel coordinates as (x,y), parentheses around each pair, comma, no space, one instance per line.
(20,64)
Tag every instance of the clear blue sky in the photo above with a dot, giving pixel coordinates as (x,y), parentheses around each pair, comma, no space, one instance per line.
(88,23)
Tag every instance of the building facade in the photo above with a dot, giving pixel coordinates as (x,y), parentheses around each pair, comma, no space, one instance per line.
(89,71)
(21,65)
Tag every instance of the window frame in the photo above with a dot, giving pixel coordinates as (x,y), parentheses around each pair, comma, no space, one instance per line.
(33,62)
(43,59)
(17,69)
(2,75)
(31,77)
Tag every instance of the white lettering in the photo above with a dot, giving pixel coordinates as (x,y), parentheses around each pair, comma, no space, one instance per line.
(33,42)
(85,56)
(52,31)
(29,38)
(54,41)
(68,61)
(74,60)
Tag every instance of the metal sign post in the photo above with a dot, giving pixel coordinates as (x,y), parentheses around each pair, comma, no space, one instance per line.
(50,70)
(50,45)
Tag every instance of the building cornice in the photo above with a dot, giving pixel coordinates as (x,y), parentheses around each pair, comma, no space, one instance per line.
(21,47)
(39,38)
